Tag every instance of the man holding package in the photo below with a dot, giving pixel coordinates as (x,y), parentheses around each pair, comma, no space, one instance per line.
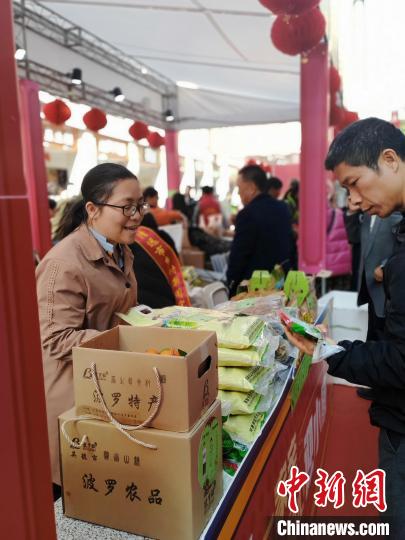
(368,158)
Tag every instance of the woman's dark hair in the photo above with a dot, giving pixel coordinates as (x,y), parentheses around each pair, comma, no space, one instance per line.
(362,142)
(179,203)
(255,174)
(97,186)
(274,183)
(207,190)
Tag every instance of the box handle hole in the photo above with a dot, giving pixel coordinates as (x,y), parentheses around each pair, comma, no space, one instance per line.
(204,366)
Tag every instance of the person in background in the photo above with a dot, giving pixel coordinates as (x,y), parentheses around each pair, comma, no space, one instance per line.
(274,187)
(208,205)
(162,215)
(291,198)
(52,207)
(190,202)
(155,257)
(352,222)
(84,280)
(262,230)
(368,158)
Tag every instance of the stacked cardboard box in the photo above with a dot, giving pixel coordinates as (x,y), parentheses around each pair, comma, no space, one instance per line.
(167,484)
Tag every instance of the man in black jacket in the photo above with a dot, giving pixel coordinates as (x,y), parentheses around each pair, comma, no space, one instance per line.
(263,233)
(368,158)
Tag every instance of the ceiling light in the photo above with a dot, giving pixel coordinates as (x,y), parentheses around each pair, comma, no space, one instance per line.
(118,95)
(76,76)
(187,84)
(144,70)
(169,117)
(20,53)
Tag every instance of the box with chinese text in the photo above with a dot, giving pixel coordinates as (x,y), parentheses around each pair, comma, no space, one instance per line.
(167,493)
(189,384)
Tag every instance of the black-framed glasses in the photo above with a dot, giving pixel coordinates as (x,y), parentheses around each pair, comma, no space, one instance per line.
(129,210)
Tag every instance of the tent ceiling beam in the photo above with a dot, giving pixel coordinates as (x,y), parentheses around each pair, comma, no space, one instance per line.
(53,81)
(48,24)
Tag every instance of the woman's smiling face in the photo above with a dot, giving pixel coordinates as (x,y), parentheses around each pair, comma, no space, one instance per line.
(375,191)
(111,222)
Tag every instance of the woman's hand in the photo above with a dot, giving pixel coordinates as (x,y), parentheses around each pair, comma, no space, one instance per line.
(305,345)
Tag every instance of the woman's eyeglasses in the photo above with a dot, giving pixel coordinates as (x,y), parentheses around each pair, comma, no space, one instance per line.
(129,210)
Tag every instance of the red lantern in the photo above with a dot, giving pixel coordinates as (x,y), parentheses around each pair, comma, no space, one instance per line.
(139,130)
(334,80)
(57,112)
(155,140)
(297,34)
(336,115)
(95,119)
(348,118)
(268,169)
(289,7)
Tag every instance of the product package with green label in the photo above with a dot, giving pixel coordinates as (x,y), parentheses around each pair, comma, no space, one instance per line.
(301,327)
(245,428)
(256,378)
(233,331)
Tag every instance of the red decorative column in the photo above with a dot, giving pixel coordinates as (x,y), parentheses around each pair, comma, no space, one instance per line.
(314,129)
(172,163)
(34,166)
(26,498)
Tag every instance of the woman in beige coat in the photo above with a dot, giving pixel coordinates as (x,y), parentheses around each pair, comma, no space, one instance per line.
(84,280)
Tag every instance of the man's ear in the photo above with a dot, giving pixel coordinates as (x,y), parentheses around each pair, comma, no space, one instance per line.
(390,158)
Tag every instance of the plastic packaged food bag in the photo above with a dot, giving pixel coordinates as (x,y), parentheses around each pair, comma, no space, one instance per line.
(245,428)
(262,352)
(256,378)
(246,403)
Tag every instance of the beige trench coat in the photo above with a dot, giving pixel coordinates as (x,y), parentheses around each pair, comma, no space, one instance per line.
(79,289)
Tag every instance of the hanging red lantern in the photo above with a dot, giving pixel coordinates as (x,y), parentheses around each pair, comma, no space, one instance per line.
(334,80)
(348,117)
(336,111)
(251,162)
(139,130)
(155,140)
(289,7)
(95,119)
(297,34)
(57,112)
(268,169)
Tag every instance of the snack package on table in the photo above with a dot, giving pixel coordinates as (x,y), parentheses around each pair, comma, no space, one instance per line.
(261,353)
(245,428)
(256,378)
(246,403)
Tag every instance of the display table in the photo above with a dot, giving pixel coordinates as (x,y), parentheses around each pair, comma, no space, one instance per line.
(250,502)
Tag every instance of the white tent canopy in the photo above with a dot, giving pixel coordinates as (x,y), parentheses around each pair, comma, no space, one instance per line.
(222,46)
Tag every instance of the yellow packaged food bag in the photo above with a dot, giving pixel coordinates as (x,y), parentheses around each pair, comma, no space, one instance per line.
(262,352)
(245,428)
(256,378)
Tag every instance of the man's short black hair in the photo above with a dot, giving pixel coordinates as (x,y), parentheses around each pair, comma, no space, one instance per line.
(274,183)
(362,142)
(149,192)
(207,190)
(255,174)
(51,203)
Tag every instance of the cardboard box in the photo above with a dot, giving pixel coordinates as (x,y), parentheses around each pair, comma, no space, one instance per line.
(192,257)
(168,493)
(128,383)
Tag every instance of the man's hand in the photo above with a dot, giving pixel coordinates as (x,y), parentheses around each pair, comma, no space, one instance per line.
(379,274)
(302,343)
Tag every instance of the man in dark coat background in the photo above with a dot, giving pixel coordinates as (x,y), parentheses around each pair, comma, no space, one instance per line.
(263,233)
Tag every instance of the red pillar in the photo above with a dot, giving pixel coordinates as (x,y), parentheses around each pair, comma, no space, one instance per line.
(34,166)
(172,163)
(314,129)
(26,499)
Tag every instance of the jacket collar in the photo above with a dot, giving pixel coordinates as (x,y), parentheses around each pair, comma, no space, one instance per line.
(93,251)
(399,230)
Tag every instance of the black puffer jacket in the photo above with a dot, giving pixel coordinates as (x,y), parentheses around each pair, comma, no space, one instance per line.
(381,364)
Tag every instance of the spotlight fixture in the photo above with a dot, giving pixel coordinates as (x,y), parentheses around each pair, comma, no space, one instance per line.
(169,117)
(118,95)
(20,53)
(76,76)
(144,70)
